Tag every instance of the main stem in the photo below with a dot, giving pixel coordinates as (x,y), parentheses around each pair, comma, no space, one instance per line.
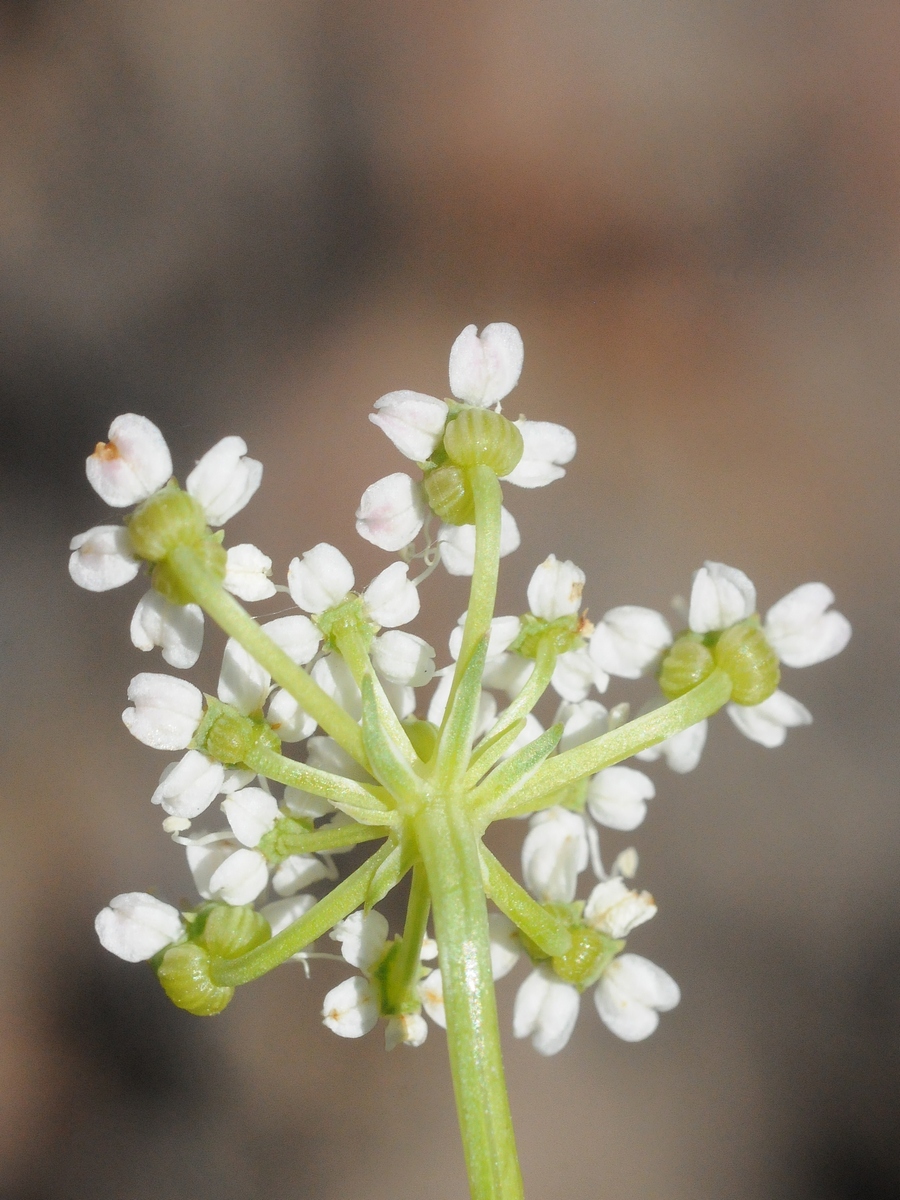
(449,850)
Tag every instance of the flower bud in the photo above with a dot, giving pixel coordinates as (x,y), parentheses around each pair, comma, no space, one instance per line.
(688,663)
(745,653)
(449,494)
(231,930)
(184,974)
(479,437)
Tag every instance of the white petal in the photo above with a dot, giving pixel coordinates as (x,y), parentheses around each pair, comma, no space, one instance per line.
(133,465)
(617,797)
(392,598)
(136,926)
(547,447)
(457,543)
(582,721)
(299,871)
(102,558)
(204,860)
(505,946)
(325,754)
(554,852)
(631,993)
(414,422)
(508,672)
(335,678)
(224,480)
(681,751)
(188,787)
(629,641)
(555,589)
(768,723)
(801,631)
(242,681)
(363,938)
(297,636)
(503,632)
(320,579)
(615,909)
(351,1009)
(304,805)
(431,993)
(240,878)
(391,512)
(247,572)
(288,719)
(485,368)
(721,596)
(576,673)
(546,1010)
(166,711)
(410,1029)
(282,913)
(403,658)
(251,813)
(177,628)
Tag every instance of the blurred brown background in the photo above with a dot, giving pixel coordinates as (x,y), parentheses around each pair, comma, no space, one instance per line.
(257,218)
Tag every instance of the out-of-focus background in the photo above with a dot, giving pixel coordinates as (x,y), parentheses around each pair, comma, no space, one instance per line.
(257,218)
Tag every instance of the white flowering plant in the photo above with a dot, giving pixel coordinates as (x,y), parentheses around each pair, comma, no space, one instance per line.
(421,783)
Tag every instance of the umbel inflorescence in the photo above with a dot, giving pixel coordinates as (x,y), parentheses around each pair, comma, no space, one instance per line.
(340,680)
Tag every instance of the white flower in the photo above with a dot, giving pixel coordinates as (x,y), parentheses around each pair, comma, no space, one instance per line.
(632,994)
(505,946)
(136,926)
(630,640)
(251,813)
(617,797)
(243,683)
(351,1009)
(457,543)
(414,422)
(555,589)
(297,636)
(484,368)
(681,751)
(800,630)
(247,572)
(409,1029)
(554,853)
(325,754)
(177,628)
(335,678)
(575,673)
(354,1006)
(288,719)
(102,559)
(282,913)
(403,658)
(720,597)
(487,705)
(767,723)
(166,712)
(392,598)
(132,465)
(320,579)
(546,1010)
(188,787)
(547,447)
(431,993)
(391,512)
(299,871)
(224,480)
(501,635)
(224,870)
(613,909)
(363,938)
(507,672)
(582,721)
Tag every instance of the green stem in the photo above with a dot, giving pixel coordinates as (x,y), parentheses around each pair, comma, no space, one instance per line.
(674,717)
(339,903)
(363,802)
(545,930)
(206,590)
(352,649)
(449,851)
(535,686)
(321,841)
(483,592)
(406,966)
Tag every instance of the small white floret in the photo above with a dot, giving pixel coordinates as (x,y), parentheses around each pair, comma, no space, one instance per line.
(629,641)
(582,721)
(176,628)
(391,512)
(554,853)
(616,910)
(410,1029)
(251,813)
(486,367)
(682,751)
(288,719)
(247,573)
(501,635)
(166,712)
(320,579)
(243,683)
(431,993)
(297,636)
(546,448)
(188,787)
(505,946)
(403,658)
(414,422)
(132,465)
(282,913)
(335,678)
(351,1009)
(768,723)
(632,994)
(555,589)
(300,871)
(392,598)
(576,673)
(457,543)
(545,1010)
(720,597)
(224,480)
(240,878)
(617,797)
(136,926)
(102,559)
(363,938)
(801,631)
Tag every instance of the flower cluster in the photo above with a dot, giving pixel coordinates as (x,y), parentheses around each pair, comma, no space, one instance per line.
(339,679)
